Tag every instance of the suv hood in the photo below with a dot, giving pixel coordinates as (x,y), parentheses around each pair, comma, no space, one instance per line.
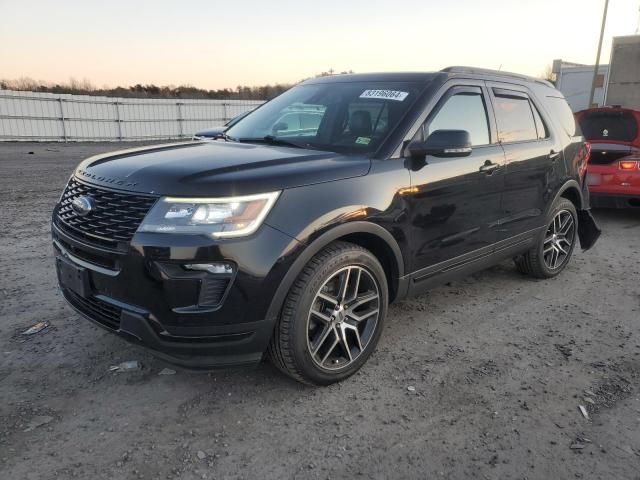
(217,168)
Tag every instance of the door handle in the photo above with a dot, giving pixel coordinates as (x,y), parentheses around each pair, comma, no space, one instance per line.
(553,155)
(488,166)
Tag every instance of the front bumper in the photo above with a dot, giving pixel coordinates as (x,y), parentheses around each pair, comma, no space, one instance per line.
(143,293)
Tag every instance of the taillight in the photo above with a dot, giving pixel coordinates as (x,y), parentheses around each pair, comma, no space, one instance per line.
(628,164)
(585,157)
(587,146)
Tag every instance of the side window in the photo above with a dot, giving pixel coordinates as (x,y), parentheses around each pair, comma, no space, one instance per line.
(515,118)
(540,126)
(463,111)
(558,107)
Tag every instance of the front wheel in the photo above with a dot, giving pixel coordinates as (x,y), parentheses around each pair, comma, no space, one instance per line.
(333,316)
(554,248)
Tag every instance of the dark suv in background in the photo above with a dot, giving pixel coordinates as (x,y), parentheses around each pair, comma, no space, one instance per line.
(292,239)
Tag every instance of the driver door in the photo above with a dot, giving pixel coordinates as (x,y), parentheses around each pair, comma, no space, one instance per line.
(456,202)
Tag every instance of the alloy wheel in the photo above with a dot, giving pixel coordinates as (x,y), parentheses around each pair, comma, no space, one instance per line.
(559,240)
(343,318)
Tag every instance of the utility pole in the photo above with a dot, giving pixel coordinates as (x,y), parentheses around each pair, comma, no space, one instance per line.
(597,66)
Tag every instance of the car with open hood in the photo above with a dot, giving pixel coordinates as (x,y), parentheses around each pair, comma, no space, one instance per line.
(613,134)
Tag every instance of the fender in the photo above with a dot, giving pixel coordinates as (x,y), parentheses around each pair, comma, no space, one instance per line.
(322,241)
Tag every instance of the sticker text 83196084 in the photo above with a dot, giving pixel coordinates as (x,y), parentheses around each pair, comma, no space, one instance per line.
(385,94)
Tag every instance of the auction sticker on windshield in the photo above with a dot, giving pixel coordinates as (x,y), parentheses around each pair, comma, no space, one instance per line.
(386,94)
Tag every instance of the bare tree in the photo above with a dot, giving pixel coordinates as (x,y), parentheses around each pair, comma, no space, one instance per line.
(22,83)
(85,87)
(548,74)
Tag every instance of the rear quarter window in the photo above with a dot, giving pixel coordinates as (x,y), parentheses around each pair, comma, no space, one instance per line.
(561,112)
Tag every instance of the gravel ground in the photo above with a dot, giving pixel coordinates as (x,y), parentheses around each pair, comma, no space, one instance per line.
(481,378)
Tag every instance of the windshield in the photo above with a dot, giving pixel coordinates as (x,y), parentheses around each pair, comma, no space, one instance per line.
(349,117)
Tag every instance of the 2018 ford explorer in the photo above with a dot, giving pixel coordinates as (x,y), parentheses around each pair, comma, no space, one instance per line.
(290,240)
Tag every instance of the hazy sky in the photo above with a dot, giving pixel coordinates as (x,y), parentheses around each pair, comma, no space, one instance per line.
(215,44)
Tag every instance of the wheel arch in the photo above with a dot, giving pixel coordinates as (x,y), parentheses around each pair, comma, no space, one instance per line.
(588,229)
(368,235)
(571,191)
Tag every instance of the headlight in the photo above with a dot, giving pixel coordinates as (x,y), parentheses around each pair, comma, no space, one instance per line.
(219,217)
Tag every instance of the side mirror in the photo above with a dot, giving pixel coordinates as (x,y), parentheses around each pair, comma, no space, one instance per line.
(442,143)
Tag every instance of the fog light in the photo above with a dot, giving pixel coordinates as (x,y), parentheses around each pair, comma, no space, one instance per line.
(214,268)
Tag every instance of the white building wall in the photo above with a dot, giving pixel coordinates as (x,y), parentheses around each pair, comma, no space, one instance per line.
(624,79)
(575,84)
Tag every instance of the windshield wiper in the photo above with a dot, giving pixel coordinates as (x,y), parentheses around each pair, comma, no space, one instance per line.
(272,140)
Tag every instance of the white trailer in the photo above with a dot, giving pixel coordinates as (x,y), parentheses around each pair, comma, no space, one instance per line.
(623,86)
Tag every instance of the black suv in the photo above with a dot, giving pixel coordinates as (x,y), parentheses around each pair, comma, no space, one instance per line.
(291,233)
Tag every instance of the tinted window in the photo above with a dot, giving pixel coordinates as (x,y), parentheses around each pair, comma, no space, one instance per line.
(464,111)
(602,125)
(515,119)
(560,110)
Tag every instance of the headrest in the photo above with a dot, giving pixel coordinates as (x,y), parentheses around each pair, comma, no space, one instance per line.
(360,123)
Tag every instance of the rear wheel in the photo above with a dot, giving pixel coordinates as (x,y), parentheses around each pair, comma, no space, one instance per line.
(332,317)
(554,248)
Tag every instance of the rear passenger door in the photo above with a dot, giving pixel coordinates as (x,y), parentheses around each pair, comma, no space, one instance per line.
(531,155)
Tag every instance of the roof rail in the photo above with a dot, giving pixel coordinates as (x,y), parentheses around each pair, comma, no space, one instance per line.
(487,71)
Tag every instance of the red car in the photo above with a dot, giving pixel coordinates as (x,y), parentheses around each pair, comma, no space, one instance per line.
(613,172)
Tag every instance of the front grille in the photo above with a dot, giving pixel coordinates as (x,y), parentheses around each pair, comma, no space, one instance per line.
(96,309)
(115,217)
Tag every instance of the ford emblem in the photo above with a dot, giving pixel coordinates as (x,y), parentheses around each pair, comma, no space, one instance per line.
(82,205)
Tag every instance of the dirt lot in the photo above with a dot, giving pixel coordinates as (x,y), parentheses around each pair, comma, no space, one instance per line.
(500,364)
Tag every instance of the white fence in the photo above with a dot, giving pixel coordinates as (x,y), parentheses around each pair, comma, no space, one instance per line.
(59,117)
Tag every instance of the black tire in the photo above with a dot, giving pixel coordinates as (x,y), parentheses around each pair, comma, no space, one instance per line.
(290,348)
(533,262)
